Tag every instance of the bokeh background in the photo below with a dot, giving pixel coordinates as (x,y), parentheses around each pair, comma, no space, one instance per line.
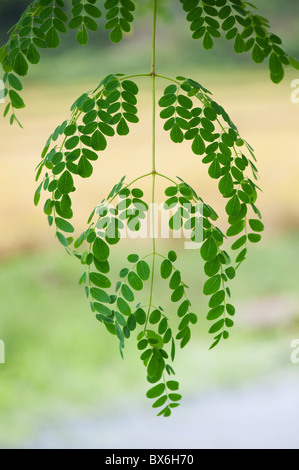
(64,384)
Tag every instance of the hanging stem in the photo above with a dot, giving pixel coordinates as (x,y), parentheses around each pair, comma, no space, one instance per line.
(153,79)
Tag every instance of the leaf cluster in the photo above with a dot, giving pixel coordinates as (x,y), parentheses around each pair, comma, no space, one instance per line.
(241,24)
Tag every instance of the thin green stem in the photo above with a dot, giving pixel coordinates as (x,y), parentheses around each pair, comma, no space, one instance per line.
(154,38)
(153,79)
(168,78)
(166,389)
(137,179)
(167,178)
(223,287)
(161,256)
(130,184)
(132,269)
(136,75)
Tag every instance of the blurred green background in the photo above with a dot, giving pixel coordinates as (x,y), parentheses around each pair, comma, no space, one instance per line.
(63,383)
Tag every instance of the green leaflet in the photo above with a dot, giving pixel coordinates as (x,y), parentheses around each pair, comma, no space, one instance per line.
(100,280)
(256,225)
(212,285)
(226,185)
(20,65)
(65,183)
(100,295)
(140,316)
(209,249)
(166,269)
(64,225)
(127,293)
(143,270)
(100,249)
(156,391)
(233,207)
(135,281)
(82,36)
(16,100)
(123,306)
